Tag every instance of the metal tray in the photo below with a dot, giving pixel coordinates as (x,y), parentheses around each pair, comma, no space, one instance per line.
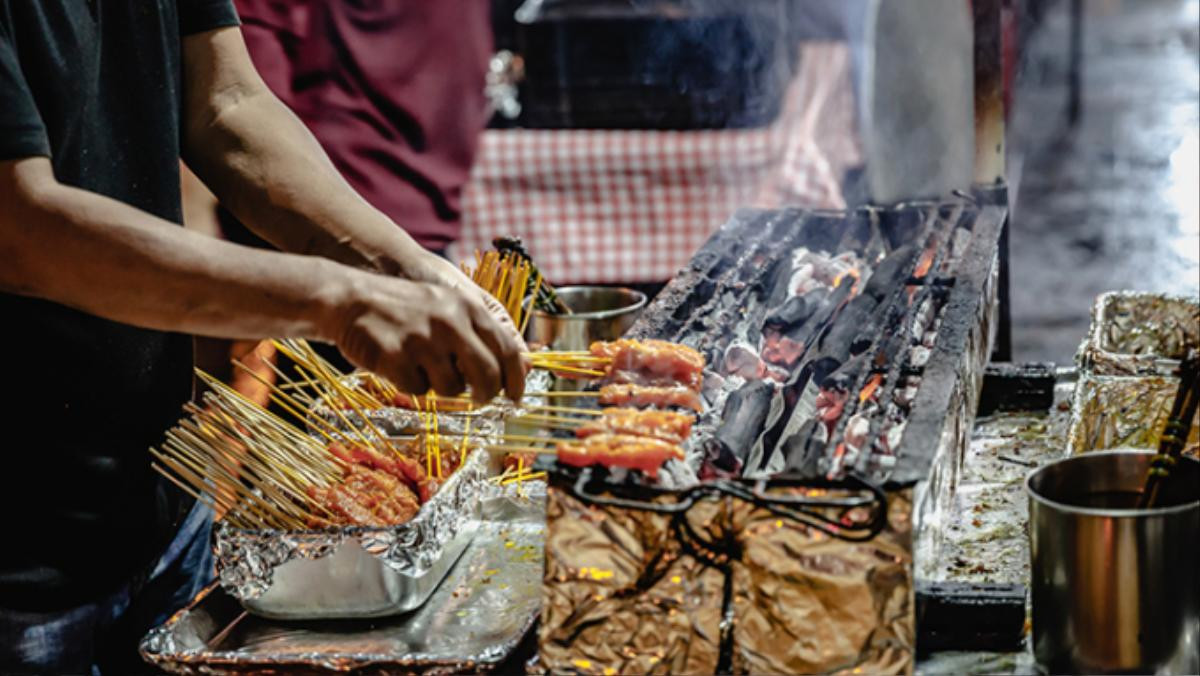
(475,621)
(354,572)
(972,563)
(1123,411)
(1135,333)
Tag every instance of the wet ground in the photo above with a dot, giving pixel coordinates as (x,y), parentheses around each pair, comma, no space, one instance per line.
(1112,202)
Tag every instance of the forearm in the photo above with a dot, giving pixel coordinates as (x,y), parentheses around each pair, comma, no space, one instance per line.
(266,167)
(112,260)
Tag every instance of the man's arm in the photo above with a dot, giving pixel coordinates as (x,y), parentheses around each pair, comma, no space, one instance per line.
(265,166)
(107,258)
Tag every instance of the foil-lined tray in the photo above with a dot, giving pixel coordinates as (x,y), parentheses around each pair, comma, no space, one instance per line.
(472,622)
(1123,411)
(1136,333)
(723,584)
(357,571)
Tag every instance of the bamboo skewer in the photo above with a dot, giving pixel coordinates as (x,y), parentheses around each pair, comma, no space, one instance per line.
(551,421)
(565,409)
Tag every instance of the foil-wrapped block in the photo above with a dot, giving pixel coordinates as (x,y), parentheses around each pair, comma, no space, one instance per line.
(354,571)
(1136,333)
(1124,412)
(723,584)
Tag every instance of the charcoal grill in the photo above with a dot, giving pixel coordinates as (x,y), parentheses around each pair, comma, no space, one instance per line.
(745,569)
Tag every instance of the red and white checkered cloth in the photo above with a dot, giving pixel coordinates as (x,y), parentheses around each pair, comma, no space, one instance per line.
(597,206)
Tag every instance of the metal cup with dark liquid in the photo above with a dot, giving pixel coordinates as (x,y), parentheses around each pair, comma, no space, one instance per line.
(1115,589)
(597,313)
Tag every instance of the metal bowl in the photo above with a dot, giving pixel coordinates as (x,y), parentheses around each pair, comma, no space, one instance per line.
(598,313)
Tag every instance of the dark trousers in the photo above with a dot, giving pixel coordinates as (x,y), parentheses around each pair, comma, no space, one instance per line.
(102,637)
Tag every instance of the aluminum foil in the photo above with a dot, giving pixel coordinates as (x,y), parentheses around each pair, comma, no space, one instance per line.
(485,423)
(626,591)
(354,571)
(1140,333)
(1124,411)
(471,623)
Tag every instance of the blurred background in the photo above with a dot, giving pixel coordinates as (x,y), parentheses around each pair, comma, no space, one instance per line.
(614,136)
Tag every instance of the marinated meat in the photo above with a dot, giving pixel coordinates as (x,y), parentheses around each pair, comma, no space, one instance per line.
(651,362)
(665,425)
(641,396)
(619,450)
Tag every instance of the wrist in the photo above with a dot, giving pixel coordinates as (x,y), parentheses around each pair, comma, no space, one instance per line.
(340,291)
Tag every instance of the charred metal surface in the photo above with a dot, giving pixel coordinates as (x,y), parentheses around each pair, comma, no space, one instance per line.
(1017,387)
(969,616)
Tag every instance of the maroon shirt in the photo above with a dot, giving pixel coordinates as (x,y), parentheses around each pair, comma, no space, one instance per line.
(393,90)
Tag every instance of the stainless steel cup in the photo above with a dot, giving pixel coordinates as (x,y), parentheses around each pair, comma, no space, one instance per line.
(1114,589)
(599,313)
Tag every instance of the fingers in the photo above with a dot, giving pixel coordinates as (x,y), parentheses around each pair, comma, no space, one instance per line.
(409,377)
(481,368)
(506,346)
(444,376)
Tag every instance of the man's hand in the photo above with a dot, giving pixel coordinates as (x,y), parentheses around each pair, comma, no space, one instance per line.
(437,270)
(423,336)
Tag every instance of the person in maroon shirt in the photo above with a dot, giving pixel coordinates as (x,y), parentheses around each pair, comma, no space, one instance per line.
(392,89)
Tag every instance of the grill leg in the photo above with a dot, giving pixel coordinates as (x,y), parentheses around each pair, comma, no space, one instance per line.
(1002,350)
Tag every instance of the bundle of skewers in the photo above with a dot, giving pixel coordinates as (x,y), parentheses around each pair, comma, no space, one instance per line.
(662,378)
(258,471)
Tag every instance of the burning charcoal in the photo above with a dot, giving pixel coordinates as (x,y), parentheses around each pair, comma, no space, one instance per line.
(802,280)
(743,417)
(822,316)
(856,327)
(891,273)
(803,452)
(775,281)
(796,311)
(742,360)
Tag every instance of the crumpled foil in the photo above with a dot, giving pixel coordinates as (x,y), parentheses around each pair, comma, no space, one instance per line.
(246,560)
(486,423)
(626,592)
(1139,333)
(1124,412)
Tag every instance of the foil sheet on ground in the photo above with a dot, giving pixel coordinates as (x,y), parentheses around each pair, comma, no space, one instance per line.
(355,571)
(1136,333)
(725,587)
(1124,411)
(471,624)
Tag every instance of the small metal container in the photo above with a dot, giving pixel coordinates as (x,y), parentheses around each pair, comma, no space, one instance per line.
(1114,588)
(599,313)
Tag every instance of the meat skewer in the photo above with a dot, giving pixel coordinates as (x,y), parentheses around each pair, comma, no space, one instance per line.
(628,394)
(665,425)
(650,362)
(619,450)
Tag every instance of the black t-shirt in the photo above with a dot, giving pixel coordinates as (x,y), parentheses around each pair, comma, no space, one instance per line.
(95,85)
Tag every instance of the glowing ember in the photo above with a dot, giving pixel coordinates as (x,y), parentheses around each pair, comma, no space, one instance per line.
(850,272)
(925,264)
(869,389)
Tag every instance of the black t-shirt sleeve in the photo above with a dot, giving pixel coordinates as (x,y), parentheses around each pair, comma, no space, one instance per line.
(197,16)
(22,133)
